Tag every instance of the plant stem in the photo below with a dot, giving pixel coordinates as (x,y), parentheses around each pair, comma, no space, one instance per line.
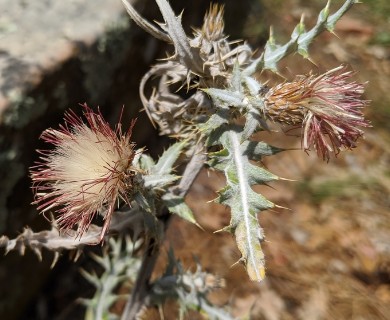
(191,171)
(140,291)
(141,288)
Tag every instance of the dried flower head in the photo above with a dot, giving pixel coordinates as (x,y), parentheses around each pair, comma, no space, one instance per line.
(213,25)
(86,172)
(327,107)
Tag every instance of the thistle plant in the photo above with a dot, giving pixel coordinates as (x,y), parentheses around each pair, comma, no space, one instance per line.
(209,100)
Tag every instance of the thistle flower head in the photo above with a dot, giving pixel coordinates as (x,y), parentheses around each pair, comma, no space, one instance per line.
(85,173)
(327,107)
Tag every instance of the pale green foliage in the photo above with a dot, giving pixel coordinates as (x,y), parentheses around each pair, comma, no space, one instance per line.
(154,181)
(240,175)
(209,63)
(154,178)
(189,288)
(119,266)
(300,40)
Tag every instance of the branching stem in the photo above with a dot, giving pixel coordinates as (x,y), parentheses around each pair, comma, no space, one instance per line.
(140,291)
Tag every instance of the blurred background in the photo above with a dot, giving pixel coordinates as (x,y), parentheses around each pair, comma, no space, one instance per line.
(328,257)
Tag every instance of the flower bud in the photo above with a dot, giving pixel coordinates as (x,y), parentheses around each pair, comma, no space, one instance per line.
(326,107)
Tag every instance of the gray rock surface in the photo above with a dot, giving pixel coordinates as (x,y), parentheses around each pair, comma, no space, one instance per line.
(36,37)
(53,55)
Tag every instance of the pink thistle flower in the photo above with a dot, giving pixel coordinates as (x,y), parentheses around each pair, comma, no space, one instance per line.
(86,172)
(327,107)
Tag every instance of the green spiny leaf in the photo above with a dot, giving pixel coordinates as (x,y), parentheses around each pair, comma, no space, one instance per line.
(244,202)
(255,150)
(226,97)
(235,81)
(159,181)
(232,197)
(248,236)
(177,206)
(92,278)
(158,177)
(216,120)
(258,175)
(332,20)
(216,135)
(167,160)
(253,122)
(103,261)
(252,84)
(116,265)
(299,29)
(299,42)
(146,162)
(218,160)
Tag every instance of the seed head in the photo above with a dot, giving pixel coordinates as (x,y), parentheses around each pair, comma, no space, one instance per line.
(327,107)
(86,172)
(213,25)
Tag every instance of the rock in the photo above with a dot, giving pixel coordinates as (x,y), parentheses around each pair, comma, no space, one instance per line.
(54,55)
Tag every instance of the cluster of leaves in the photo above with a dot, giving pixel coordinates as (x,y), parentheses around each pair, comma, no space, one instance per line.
(214,68)
(188,288)
(119,266)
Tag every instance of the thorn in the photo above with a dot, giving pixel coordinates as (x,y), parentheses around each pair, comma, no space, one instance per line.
(55,259)
(38,253)
(302,21)
(332,31)
(281,207)
(269,186)
(241,260)
(77,255)
(213,200)
(276,71)
(199,226)
(22,250)
(227,229)
(271,38)
(306,56)
(286,179)
(326,9)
